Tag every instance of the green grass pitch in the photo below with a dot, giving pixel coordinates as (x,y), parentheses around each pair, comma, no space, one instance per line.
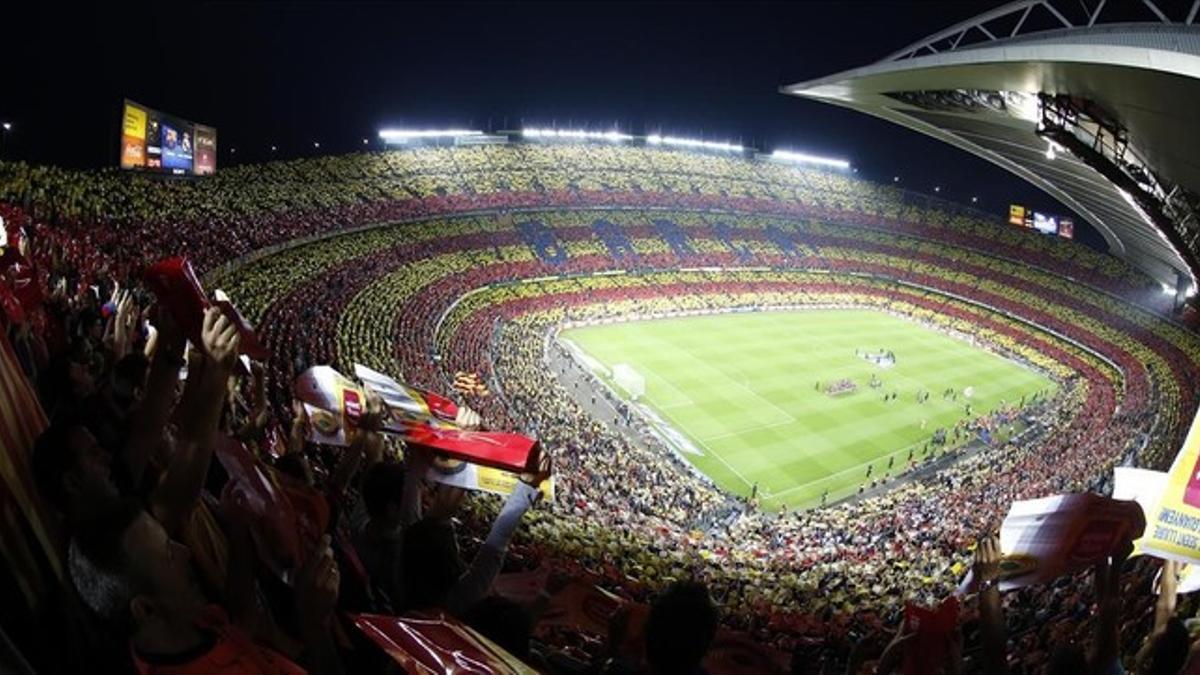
(742,389)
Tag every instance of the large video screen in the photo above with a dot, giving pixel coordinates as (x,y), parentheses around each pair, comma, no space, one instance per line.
(1023,216)
(1044,223)
(156,142)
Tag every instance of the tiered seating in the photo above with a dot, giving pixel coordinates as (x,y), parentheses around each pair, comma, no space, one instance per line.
(246,208)
(419,277)
(417,288)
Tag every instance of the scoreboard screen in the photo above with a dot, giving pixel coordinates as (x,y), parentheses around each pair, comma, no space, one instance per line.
(1022,216)
(159,143)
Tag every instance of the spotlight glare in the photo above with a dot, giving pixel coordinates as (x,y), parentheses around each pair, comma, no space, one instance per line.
(581,134)
(805,158)
(405,135)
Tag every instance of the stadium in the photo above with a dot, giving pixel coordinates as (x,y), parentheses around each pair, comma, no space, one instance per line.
(812,395)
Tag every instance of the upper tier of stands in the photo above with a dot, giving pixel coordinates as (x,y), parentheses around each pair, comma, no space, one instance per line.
(247,208)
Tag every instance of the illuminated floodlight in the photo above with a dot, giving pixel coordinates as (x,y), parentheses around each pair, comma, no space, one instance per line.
(578,134)
(677,141)
(405,135)
(1167,290)
(805,158)
(8,126)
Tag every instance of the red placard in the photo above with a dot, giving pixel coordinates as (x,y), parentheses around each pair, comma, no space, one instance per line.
(175,284)
(276,526)
(438,644)
(934,629)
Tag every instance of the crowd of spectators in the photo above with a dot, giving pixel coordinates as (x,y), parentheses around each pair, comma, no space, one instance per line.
(169,567)
(245,208)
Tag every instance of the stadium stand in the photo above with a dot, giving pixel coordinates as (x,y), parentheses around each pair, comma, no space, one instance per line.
(438,261)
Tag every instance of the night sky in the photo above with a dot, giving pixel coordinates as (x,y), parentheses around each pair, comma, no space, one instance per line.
(291,74)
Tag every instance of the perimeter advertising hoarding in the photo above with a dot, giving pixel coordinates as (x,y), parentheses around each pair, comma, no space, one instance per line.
(153,141)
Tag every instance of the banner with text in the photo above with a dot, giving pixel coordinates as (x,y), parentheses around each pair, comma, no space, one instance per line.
(1173,529)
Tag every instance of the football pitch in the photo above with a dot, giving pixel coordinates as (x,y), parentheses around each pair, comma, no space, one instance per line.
(742,389)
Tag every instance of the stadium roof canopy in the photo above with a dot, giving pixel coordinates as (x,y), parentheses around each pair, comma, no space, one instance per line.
(1094,102)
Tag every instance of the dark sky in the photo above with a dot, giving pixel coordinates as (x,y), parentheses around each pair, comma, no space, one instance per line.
(289,74)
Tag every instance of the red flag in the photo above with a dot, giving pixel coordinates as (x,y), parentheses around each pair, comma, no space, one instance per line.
(438,644)
(499,449)
(175,284)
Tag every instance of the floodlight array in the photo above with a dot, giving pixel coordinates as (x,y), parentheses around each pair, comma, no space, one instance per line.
(405,135)
(805,158)
(656,139)
(576,134)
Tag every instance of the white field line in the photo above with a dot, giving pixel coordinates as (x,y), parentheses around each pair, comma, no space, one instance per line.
(856,467)
(741,386)
(711,452)
(740,432)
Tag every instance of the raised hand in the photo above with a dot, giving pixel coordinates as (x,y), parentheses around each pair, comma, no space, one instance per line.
(987,559)
(219,339)
(536,478)
(467,418)
(124,322)
(376,410)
